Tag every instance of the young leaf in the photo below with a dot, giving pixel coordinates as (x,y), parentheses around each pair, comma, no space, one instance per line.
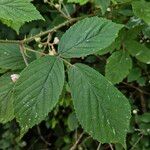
(118,66)
(140,51)
(10,57)
(134,74)
(18,12)
(102,110)
(37,91)
(141,9)
(87,37)
(6,99)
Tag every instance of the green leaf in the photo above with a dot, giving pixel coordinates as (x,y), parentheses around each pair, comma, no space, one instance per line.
(81,2)
(134,74)
(6,99)
(140,51)
(15,25)
(118,66)
(103,4)
(37,91)
(87,37)
(72,121)
(141,9)
(102,110)
(10,57)
(144,118)
(17,12)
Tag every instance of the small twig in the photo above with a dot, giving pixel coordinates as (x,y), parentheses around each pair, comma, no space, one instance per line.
(99,146)
(137,142)
(143,104)
(31,50)
(111,147)
(58,8)
(22,53)
(10,41)
(77,142)
(32,38)
(66,10)
(42,138)
(52,30)
(138,89)
(67,62)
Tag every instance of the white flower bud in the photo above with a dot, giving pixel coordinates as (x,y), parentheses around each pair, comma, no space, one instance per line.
(45,1)
(56,40)
(135,111)
(52,53)
(14,77)
(37,39)
(40,45)
(108,9)
(57,6)
(141,41)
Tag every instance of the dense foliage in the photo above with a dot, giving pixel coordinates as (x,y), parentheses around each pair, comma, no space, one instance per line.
(74,74)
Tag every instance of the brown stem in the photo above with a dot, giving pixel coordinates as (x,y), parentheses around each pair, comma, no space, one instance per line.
(22,53)
(77,142)
(143,104)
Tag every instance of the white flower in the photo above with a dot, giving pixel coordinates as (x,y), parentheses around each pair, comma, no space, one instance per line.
(45,1)
(40,45)
(108,9)
(56,40)
(57,6)
(135,111)
(14,77)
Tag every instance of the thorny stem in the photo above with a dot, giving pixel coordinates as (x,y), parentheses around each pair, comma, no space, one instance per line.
(10,41)
(30,39)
